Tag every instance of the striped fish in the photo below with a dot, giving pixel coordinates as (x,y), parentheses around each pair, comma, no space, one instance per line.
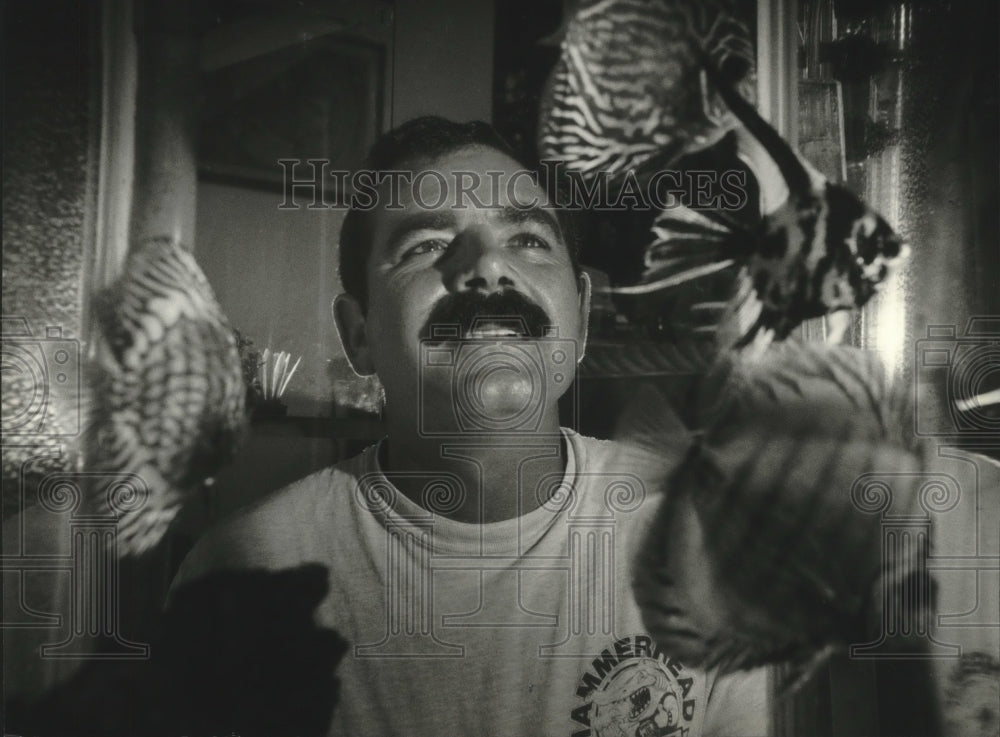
(627,92)
(821,251)
(766,549)
(168,402)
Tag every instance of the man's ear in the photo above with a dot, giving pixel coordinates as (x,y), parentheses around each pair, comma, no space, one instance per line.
(583,287)
(350,319)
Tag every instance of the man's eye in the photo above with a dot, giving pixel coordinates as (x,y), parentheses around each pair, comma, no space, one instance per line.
(527,240)
(427,246)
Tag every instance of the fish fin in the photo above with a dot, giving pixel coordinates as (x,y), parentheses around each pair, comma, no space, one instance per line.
(770,181)
(771,184)
(687,245)
(795,174)
(739,325)
(660,280)
(682,222)
(795,675)
(838,324)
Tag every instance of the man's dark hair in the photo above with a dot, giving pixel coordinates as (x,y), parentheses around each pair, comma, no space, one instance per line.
(428,137)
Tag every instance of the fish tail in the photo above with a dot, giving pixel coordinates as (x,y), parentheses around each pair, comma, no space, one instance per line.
(792,169)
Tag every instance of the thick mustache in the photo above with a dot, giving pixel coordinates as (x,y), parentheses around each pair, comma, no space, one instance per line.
(466,308)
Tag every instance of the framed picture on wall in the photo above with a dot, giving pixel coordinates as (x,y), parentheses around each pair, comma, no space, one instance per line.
(322,99)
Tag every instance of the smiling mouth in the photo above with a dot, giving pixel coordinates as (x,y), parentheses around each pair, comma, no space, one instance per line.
(492,331)
(497,328)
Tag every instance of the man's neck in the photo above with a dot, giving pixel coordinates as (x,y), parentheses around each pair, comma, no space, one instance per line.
(499,476)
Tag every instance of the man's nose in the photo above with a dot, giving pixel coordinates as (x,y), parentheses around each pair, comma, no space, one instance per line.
(479,262)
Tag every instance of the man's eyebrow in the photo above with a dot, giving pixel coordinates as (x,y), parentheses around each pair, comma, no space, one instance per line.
(535,215)
(428,219)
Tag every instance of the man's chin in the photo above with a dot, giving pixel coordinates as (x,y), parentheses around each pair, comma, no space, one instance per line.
(497,398)
(502,396)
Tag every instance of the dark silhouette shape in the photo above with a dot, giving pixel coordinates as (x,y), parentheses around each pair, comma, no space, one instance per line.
(238,653)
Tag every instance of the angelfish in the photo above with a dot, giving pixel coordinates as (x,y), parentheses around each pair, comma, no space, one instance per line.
(820,252)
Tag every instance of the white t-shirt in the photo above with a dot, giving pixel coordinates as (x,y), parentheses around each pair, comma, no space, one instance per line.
(516,628)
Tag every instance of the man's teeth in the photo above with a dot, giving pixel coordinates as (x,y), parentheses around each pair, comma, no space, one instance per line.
(494,333)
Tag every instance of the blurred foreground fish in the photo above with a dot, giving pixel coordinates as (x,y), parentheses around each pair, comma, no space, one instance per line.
(168,395)
(765,549)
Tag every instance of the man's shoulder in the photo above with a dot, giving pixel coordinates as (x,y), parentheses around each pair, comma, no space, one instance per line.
(308,498)
(283,528)
(619,480)
(616,457)
(590,451)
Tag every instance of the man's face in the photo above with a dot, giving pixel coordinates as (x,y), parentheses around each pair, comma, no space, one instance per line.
(443,259)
